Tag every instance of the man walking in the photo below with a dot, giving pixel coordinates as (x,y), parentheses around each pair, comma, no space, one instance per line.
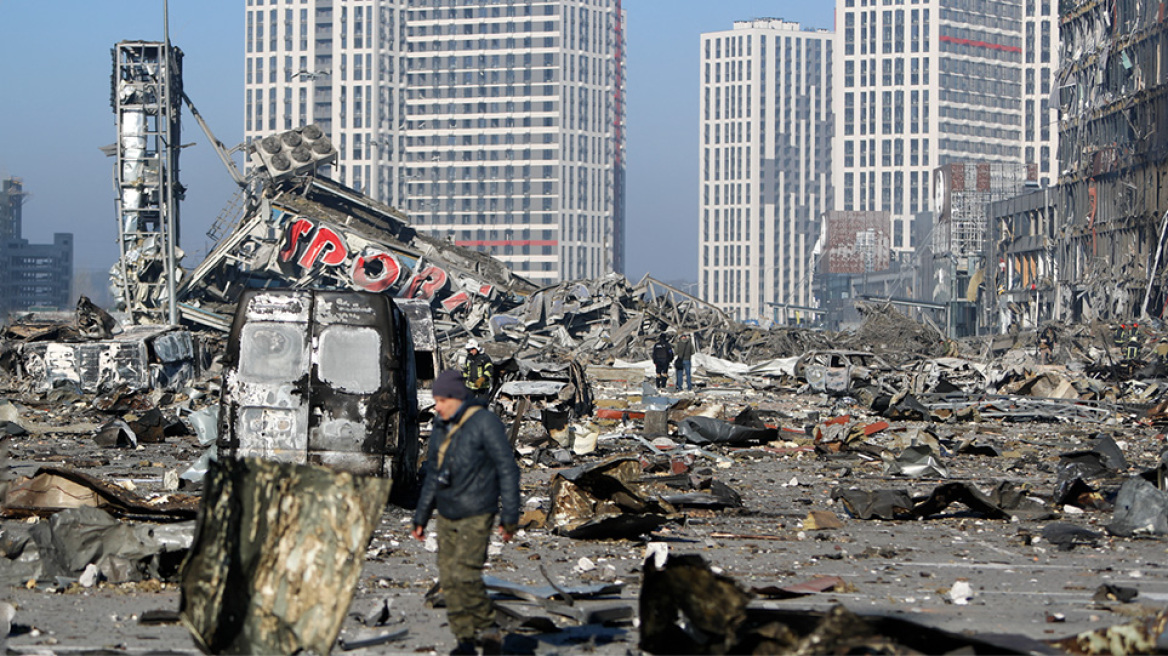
(662,356)
(478,370)
(469,470)
(684,363)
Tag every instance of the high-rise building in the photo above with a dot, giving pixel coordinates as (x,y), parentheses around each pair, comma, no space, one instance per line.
(1040,67)
(340,64)
(32,276)
(765,138)
(921,84)
(498,124)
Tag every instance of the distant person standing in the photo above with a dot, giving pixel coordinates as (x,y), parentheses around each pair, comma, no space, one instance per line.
(662,356)
(1132,350)
(471,475)
(478,370)
(684,362)
(1047,342)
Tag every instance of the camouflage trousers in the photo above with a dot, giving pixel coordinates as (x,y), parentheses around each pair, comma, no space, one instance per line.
(462,551)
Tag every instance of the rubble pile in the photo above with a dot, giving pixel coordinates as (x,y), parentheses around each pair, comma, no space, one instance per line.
(601,321)
(890,333)
(311,232)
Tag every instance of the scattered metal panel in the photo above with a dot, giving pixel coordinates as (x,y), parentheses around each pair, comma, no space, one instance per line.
(204,317)
(540,592)
(532,388)
(52,489)
(174,346)
(1023,408)
(427,357)
(604,501)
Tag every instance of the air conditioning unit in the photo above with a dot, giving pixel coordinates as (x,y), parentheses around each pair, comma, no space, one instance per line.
(293,152)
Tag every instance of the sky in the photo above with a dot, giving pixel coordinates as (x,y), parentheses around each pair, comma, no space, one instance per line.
(55,114)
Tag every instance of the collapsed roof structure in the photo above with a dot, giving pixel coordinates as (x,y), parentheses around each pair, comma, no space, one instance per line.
(311,232)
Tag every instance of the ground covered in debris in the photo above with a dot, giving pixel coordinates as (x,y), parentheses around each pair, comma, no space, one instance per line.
(993,495)
(956,569)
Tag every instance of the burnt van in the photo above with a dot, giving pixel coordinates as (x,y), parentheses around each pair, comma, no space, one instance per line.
(324,378)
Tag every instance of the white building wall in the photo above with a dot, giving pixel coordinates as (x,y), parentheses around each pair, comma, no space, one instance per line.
(765,130)
(339,64)
(1040,110)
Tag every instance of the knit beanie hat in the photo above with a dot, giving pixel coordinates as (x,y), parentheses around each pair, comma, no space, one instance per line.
(450,384)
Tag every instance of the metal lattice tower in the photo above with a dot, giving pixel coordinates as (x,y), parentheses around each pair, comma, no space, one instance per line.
(146,96)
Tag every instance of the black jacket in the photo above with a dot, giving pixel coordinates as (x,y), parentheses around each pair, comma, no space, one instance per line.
(662,352)
(482,470)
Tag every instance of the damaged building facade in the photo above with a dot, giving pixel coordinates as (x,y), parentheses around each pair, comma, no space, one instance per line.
(1021,264)
(1113,162)
(954,273)
(146,98)
(1091,248)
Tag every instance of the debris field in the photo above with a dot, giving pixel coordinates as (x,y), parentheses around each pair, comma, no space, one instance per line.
(882,489)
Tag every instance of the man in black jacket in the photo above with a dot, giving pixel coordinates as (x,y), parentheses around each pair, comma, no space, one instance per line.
(662,356)
(469,470)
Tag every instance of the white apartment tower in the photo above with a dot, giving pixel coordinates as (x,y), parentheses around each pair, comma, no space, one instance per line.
(765,167)
(498,124)
(923,83)
(516,131)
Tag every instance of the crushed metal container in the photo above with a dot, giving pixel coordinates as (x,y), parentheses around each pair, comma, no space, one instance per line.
(141,357)
(324,378)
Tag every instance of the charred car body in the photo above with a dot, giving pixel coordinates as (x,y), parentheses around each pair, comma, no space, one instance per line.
(840,372)
(322,377)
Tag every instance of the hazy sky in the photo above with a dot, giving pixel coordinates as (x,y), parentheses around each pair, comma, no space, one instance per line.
(55,114)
